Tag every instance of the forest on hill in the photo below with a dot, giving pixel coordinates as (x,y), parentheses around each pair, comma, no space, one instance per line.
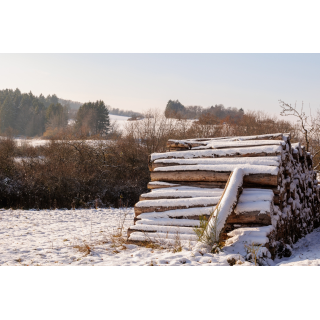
(25,113)
(210,115)
(29,115)
(75,105)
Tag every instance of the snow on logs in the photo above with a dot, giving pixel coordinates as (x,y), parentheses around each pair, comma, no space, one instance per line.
(181,145)
(268,150)
(181,192)
(280,194)
(260,161)
(227,202)
(172,204)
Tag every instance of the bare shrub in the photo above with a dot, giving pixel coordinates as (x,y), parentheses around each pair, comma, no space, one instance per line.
(308,127)
(74,172)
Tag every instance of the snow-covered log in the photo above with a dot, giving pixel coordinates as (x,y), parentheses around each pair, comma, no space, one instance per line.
(265,178)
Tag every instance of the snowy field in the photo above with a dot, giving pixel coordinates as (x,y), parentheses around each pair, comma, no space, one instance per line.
(119,120)
(84,237)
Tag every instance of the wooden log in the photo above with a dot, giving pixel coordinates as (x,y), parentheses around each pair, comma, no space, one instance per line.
(212,176)
(220,144)
(180,194)
(195,217)
(160,229)
(196,184)
(183,144)
(151,236)
(177,149)
(171,222)
(211,153)
(250,217)
(191,143)
(139,210)
(214,185)
(142,198)
(177,144)
(213,161)
(260,144)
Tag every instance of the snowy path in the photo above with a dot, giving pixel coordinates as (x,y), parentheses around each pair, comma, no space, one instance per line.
(49,237)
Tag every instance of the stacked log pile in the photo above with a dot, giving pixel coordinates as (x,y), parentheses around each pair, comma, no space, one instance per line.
(279,197)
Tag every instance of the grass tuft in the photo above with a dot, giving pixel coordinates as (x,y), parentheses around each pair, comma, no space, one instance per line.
(209,236)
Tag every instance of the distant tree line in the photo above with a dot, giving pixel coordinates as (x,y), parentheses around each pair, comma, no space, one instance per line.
(28,115)
(73,105)
(211,115)
(124,113)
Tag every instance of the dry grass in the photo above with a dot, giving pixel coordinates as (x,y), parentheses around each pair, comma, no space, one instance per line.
(207,234)
(162,243)
(253,250)
(84,248)
(177,245)
(145,244)
(114,237)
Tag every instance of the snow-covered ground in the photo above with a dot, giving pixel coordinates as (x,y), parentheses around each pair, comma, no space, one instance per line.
(306,251)
(83,237)
(51,237)
(120,120)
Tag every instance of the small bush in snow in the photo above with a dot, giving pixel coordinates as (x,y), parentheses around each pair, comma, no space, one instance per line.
(209,236)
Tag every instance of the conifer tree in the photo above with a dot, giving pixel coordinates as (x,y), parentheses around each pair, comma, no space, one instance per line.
(93,117)
(174,109)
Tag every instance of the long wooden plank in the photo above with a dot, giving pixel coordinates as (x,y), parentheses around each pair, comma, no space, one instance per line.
(271,136)
(159,229)
(242,144)
(181,192)
(221,185)
(211,176)
(176,195)
(184,144)
(195,217)
(183,222)
(191,143)
(220,153)
(220,144)
(161,237)
(215,161)
(139,210)
(159,197)
(177,149)
(197,184)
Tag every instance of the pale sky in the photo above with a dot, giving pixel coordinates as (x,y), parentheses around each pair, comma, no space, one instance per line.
(142,81)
